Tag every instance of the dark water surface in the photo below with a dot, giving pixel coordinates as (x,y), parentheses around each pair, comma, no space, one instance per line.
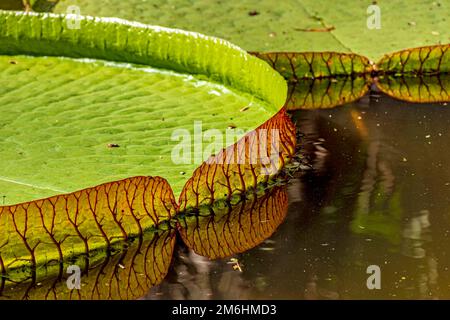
(379,194)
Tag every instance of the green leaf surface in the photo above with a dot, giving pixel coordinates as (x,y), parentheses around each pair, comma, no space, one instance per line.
(60,114)
(404,24)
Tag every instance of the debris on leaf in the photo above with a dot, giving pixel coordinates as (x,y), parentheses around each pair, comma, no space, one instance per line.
(326,29)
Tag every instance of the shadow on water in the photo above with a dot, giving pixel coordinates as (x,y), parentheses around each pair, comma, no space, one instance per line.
(378,194)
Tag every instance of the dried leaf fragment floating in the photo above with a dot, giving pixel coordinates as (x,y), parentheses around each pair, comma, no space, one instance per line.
(236,265)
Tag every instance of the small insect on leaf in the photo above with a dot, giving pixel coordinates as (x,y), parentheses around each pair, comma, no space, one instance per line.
(113,145)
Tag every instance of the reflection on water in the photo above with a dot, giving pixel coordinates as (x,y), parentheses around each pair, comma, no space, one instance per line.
(379,194)
(235,229)
(125,274)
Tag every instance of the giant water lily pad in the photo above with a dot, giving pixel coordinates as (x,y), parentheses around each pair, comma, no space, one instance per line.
(95,108)
(61,113)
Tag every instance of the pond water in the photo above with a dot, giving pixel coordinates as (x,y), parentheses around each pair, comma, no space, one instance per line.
(378,194)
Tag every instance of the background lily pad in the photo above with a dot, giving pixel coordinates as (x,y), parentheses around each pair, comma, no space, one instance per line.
(235,229)
(292,25)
